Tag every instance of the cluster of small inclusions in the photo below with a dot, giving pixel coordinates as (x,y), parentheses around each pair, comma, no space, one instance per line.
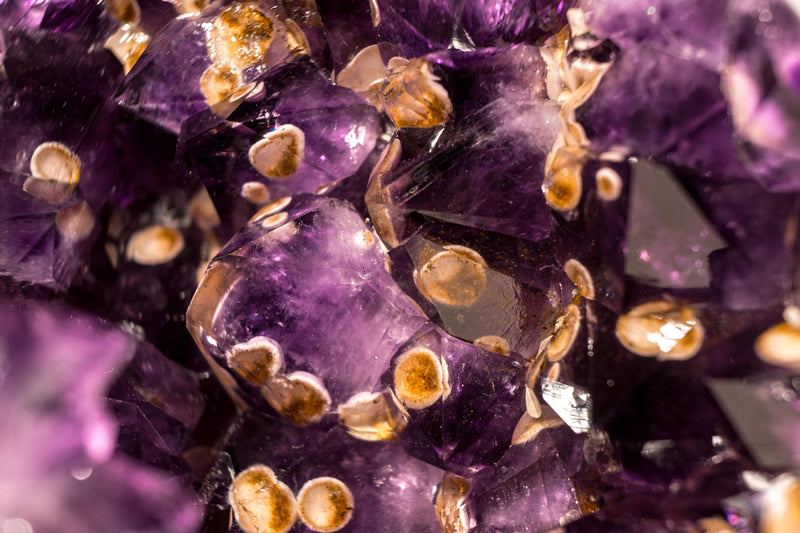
(400,266)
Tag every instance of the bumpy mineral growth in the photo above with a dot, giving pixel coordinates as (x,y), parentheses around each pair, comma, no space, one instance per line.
(400,266)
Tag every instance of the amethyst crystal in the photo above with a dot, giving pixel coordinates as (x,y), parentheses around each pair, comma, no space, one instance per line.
(60,467)
(455,265)
(389,491)
(485,172)
(258,310)
(332,129)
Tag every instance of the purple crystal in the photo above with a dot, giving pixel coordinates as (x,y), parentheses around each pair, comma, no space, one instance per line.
(53,89)
(390,491)
(274,279)
(486,172)
(762,84)
(452,431)
(657,105)
(339,131)
(693,30)
(488,293)
(157,404)
(59,448)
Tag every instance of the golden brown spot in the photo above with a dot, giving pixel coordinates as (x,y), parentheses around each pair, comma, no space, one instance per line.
(493,343)
(579,275)
(296,39)
(450,509)
(154,245)
(664,329)
(240,35)
(273,221)
(375,12)
(261,503)
(218,82)
(413,97)
(780,507)
(609,184)
(300,397)
(257,360)
(127,44)
(565,332)
(779,345)
(55,172)
(280,153)
(528,427)
(373,416)
(419,378)
(455,276)
(563,189)
(325,504)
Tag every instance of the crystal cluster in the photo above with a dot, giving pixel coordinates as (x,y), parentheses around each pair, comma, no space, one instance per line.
(400,266)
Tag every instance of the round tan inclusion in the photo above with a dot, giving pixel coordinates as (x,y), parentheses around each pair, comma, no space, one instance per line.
(325,504)
(261,503)
(256,360)
(155,245)
(418,378)
(455,276)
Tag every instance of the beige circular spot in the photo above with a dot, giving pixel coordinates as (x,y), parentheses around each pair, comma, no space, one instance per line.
(325,504)
(565,332)
(273,221)
(240,35)
(154,245)
(580,276)
(419,378)
(609,184)
(55,173)
(529,427)
(257,360)
(300,397)
(664,329)
(271,208)
(455,276)
(261,503)
(218,82)
(255,192)
(780,506)
(493,343)
(779,345)
(279,153)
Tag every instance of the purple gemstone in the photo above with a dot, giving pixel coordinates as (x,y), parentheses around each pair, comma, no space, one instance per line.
(389,491)
(448,421)
(270,285)
(465,281)
(333,129)
(59,446)
(485,171)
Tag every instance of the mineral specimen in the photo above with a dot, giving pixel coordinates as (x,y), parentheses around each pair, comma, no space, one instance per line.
(467,266)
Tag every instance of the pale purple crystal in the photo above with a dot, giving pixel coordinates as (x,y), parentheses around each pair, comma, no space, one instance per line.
(290,282)
(59,465)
